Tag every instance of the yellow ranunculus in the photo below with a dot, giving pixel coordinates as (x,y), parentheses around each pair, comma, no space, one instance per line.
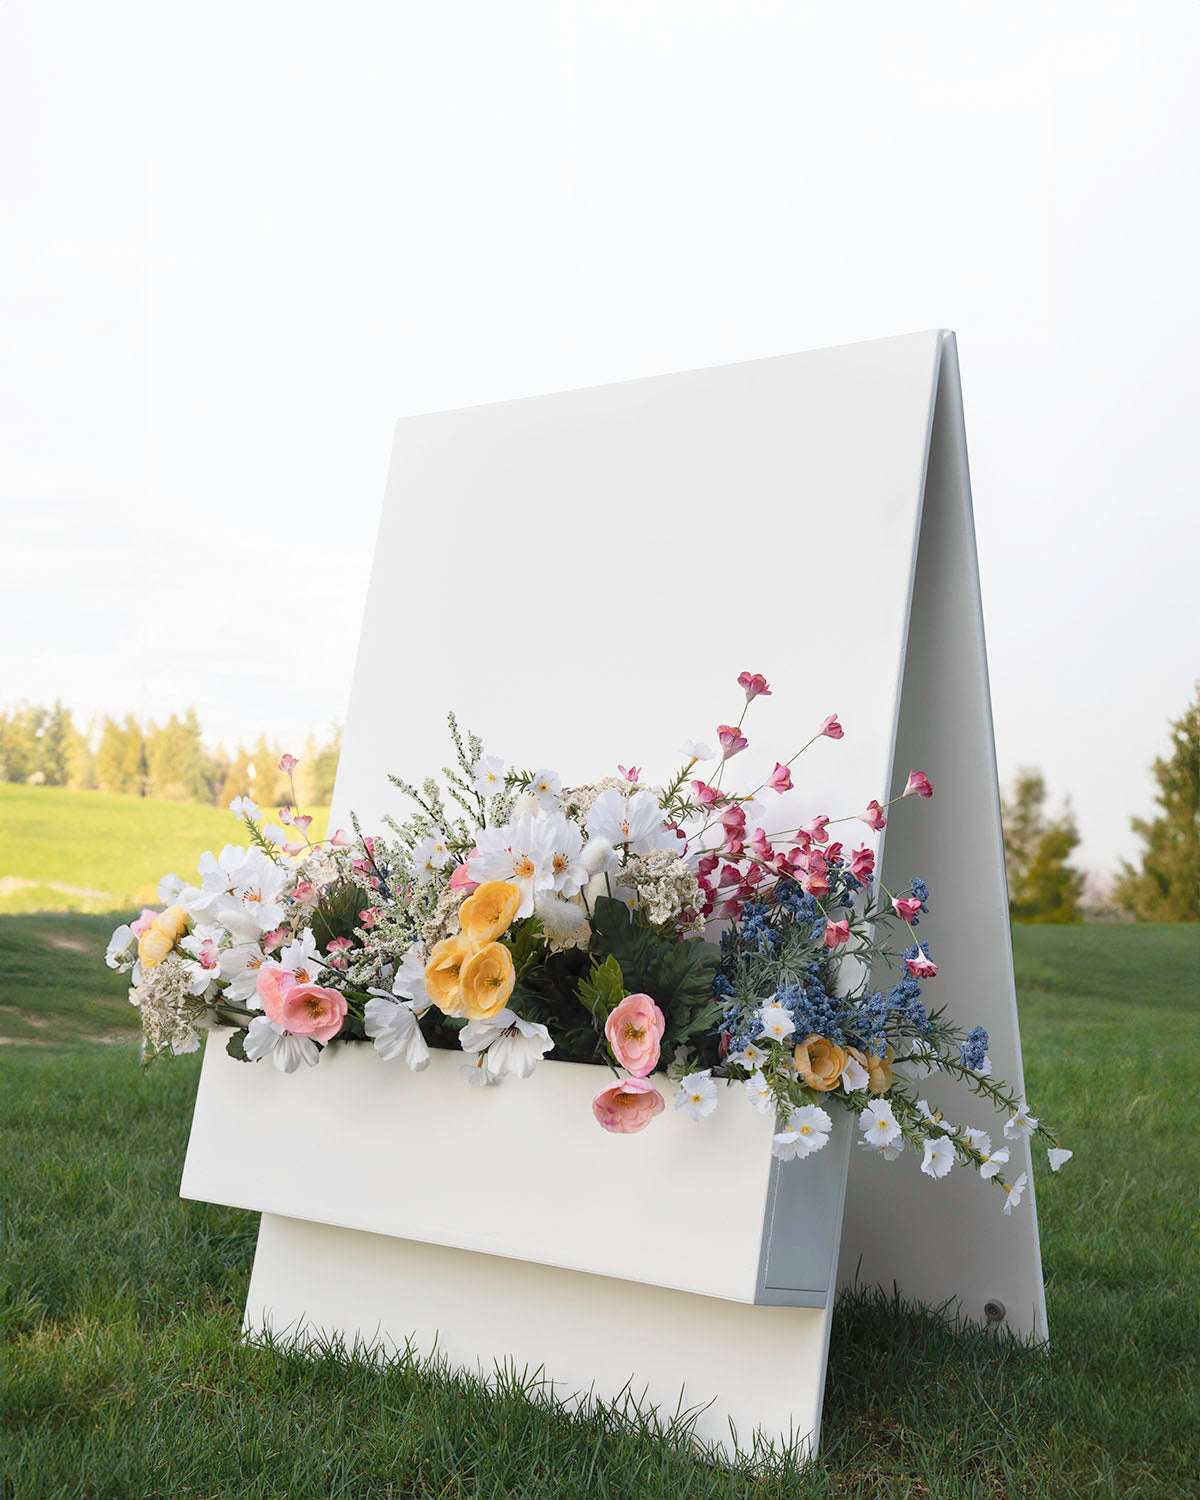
(161,936)
(880,1069)
(488,913)
(487,981)
(444,970)
(819,1062)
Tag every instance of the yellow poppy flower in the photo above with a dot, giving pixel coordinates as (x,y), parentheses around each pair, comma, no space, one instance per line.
(487,981)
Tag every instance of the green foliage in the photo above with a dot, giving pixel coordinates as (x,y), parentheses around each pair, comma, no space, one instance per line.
(527,945)
(125,1374)
(1042,884)
(1167,887)
(602,989)
(337,913)
(235,1044)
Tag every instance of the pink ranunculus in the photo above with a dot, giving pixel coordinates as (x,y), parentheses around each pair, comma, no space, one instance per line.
(780,779)
(921,967)
(815,829)
(907,907)
(287,764)
(754,685)
(837,933)
(918,785)
(732,740)
(862,862)
(874,817)
(634,1031)
(627,1106)
(831,728)
(144,922)
(312,1010)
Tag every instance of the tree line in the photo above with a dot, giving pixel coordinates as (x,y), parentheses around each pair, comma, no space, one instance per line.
(44,746)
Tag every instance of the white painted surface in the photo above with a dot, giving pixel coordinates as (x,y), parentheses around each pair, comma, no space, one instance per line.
(759,1367)
(520,1170)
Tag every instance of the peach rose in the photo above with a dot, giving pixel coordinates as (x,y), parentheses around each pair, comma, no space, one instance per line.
(488,913)
(443,972)
(486,982)
(634,1030)
(311,1010)
(879,1070)
(161,936)
(819,1062)
(627,1106)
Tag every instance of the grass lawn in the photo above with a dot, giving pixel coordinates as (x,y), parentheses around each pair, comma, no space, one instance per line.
(101,851)
(125,1377)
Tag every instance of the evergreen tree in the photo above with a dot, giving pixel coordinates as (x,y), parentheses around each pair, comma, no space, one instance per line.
(1042,884)
(18,744)
(324,768)
(1167,887)
(55,749)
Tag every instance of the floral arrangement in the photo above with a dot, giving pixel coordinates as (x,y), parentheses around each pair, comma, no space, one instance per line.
(511,916)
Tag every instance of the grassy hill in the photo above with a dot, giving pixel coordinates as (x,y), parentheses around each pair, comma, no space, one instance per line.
(125,1374)
(63,850)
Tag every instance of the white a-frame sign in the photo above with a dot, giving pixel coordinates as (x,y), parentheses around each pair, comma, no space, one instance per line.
(582,577)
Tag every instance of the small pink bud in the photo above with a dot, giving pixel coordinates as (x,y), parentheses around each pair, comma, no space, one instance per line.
(907,907)
(754,685)
(874,817)
(732,740)
(918,785)
(831,728)
(837,933)
(288,763)
(780,779)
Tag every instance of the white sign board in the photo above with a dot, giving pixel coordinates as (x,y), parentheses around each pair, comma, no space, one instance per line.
(582,577)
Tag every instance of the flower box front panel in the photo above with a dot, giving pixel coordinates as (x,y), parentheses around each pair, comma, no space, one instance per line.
(521,1170)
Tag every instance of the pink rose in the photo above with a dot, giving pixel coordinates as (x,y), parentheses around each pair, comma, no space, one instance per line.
(754,685)
(634,1030)
(627,1106)
(907,907)
(780,779)
(836,932)
(832,728)
(918,785)
(311,1010)
(874,816)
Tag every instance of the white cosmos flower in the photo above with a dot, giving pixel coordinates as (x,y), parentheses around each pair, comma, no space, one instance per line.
(239,969)
(521,852)
(122,947)
(392,1026)
(566,863)
(1057,1157)
(635,823)
(777,1023)
(853,1075)
(696,750)
(1020,1123)
(169,888)
(476,1074)
(758,1091)
(266,1038)
(697,1096)
(221,873)
(546,786)
(243,807)
(274,834)
(510,1045)
(302,959)
(808,1130)
(1013,1192)
(750,1057)
(488,772)
(878,1124)
(992,1161)
(408,983)
(889,1150)
(939,1156)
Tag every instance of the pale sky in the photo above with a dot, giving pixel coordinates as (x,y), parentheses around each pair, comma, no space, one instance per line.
(238,241)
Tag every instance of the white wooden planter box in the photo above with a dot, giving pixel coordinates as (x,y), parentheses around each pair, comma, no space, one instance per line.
(698,1216)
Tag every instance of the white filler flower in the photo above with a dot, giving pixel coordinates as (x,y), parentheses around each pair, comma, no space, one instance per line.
(992,1162)
(777,1024)
(697,1095)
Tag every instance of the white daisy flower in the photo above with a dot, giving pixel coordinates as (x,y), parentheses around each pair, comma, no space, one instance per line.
(980,1139)
(750,1057)
(488,772)
(853,1075)
(546,786)
(808,1130)
(1013,1192)
(878,1124)
(777,1023)
(992,1162)
(939,1156)
(697,1096)
(888,1150)
(758,1091)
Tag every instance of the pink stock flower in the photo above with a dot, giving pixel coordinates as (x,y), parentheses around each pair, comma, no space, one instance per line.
(834,854)
(627,1106)
(733,817)
(815,829)
(754,685)
(312,1010)
(144,922)
(918,785)
(836,932)
(862,863)
(921,967)
(907,907)
(288,763)
(831,728)
(732,740)
(780,779)
(630,773)
(874,817)
(306,893)
(706,796)
(634,1030)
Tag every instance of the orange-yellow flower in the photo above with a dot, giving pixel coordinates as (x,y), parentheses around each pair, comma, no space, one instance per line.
(880,1071)
(487,981)
(443,972)
(488,914)
(161,936)
(819,1062)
